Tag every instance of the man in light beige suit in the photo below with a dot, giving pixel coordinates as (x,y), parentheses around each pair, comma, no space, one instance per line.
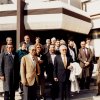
(29,70)
(85,57)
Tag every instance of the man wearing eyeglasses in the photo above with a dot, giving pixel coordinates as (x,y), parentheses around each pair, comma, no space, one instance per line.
(29,70)
(62,72)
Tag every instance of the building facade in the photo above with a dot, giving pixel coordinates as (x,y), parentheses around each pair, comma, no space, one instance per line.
(92,7)
(45,18)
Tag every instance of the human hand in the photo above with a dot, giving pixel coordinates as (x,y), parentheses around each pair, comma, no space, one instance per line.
(55,79)
(45,74)
(23,82)
(2,78)
(84,62)
(40,61)
(87,63)
(70,67)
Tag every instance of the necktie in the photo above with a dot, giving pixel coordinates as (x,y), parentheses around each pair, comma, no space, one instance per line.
(10,55)
(65,62)
(85,52)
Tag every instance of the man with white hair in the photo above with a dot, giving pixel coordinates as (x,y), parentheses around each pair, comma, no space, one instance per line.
(62,72)
(53,40)
(29,70)
(46,46)
(62,42)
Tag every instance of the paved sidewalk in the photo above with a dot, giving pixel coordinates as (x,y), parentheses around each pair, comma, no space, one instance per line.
(83,95)
(85,98)
(16,98)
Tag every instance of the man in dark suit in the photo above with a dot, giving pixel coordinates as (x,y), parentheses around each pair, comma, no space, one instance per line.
(8,72)
(50,62)
(50,68)
(3,49)
(62,73)
(41,60)
(57,45)
(85,57)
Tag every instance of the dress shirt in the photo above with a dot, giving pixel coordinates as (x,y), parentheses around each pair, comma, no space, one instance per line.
(53,57)
(33,60)
(85,51)
(64,58)
(72,53)
(10,54)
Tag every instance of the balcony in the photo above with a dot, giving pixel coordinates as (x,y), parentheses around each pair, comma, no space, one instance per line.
(47,15)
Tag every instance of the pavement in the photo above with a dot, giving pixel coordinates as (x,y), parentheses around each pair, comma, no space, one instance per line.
(82,95)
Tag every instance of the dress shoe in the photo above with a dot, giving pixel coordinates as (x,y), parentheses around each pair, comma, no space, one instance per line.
(98,94)
(1,94)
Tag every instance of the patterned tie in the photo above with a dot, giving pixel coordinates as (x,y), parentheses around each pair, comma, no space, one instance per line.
(65,62)
(11,57)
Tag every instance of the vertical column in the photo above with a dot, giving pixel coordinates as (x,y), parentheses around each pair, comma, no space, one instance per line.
(20,22)
(96,41)
(68,2)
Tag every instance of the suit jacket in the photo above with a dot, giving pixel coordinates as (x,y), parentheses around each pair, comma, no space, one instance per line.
(28,71)
(82,57)
(49,61)
(8,69)
(59,70)
(49,66)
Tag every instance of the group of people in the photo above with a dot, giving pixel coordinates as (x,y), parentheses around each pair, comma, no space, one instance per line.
(32,65)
